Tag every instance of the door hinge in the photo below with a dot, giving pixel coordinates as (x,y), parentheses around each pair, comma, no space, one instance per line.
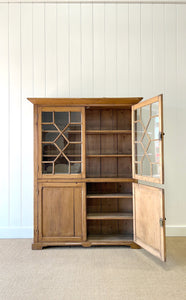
(162,222)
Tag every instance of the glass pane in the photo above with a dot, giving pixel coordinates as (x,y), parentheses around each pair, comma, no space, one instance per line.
(49,136)
(49,149)
(47,168)
(145,115)
(73,133)
(145,141)
(75,168)
(75,117)
(61,119)
(146,171)
(155,170)
(154,151)
(47,117)
(137,114)
(49,127)
(73,149)
(153,128)
(48,158)
(139,152)
(61,166)
(61,142)
(139,130)
(74,158)
(155,108)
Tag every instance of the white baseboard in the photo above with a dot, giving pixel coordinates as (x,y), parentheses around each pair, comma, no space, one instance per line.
(176,230)
(16,232)
(27,232)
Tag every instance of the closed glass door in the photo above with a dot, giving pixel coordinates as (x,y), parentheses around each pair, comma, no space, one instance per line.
(62,142)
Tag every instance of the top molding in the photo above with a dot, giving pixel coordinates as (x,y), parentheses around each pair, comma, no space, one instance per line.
(97,1)
(85,101)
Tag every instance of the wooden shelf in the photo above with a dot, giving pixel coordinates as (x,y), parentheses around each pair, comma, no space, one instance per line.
(110,238)
(109,155)
(109,196)
(108,131)
(109,216)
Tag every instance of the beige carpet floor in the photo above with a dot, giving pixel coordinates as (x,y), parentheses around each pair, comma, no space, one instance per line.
(111,273)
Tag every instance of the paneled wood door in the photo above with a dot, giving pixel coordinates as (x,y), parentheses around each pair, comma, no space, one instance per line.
(149,219)
(61,212)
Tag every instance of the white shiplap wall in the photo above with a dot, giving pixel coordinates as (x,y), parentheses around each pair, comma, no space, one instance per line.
(88,50)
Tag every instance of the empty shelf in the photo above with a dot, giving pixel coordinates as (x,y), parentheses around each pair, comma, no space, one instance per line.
(110,238)
(109,196)
(109,216)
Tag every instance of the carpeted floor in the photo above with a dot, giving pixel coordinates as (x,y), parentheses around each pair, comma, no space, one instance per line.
(110,273)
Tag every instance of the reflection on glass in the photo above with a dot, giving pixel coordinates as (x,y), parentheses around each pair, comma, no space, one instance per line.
(61,142)
(145,115)
(139,152)
(75,168)
(139,130)
(146,168)
(145,141)
(47,117)
(73,133)
(49,149)
(154,151)
(61,119)
(153,128)
(47,168)
(73,149)
(155,108)
(48,158)
(49,136)
(61,165)
(75,117)
(49,127)
(155,170)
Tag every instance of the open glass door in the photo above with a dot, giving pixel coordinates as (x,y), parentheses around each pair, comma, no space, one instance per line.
(147,155)
(147,136)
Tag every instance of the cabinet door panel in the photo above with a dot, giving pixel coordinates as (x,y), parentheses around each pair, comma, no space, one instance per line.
(60,217)
(61,142)
(147,137)
(149,219)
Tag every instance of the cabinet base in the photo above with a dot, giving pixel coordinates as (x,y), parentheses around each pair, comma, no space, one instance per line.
(87,244)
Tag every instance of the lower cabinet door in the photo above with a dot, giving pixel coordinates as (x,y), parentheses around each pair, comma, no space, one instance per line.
(60,212)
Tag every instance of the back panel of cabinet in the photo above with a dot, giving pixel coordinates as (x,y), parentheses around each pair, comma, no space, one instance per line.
(108,143)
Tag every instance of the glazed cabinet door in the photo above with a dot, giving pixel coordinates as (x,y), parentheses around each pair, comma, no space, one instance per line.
(61,212)
(61,142)
(149,219)
(147,137)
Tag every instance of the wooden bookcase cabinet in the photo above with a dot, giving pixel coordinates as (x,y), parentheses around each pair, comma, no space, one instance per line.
(88,157)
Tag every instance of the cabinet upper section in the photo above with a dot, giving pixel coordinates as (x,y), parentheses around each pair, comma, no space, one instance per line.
(85,101)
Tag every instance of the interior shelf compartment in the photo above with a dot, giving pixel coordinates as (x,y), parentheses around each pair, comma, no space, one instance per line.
(109,238)
(104,228)
(109,196)
(109,167)
(108,118)
(109,216)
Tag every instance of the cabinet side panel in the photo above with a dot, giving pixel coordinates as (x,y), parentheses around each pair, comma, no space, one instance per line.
(35,173)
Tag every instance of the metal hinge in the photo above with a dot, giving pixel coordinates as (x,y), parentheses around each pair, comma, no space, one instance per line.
(162,222)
